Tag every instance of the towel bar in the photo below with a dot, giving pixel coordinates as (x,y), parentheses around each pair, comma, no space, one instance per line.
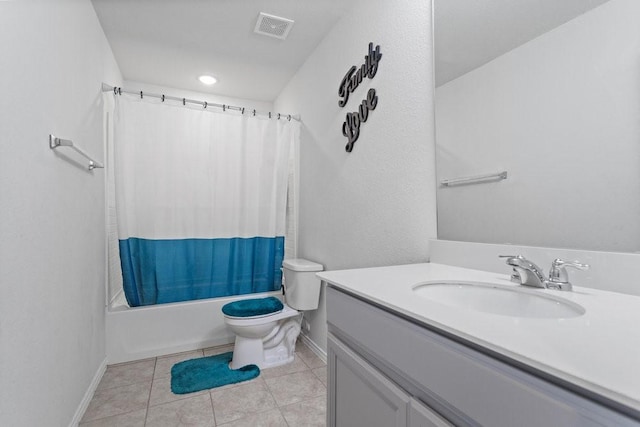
(55,142)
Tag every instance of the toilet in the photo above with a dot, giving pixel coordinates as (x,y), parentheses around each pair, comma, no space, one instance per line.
(266,329)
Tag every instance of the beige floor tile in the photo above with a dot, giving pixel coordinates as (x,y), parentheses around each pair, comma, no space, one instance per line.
(132,419)
(212,351)
(127,373)
(308,413)
(195,411)
(242,401)
(299,390)
(296,366)
(271,418)
(161,392)
(118,400)
(309,357)
(296,387)
(165,363)
(321,373)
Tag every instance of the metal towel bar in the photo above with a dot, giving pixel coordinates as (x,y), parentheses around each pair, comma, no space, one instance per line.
(55,142)
(472,179)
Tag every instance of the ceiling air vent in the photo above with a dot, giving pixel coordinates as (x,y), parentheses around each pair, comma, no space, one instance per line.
(273,26)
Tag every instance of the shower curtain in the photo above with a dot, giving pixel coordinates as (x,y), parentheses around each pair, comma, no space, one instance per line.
(200,200)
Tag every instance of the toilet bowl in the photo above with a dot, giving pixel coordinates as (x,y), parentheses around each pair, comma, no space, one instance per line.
(266,330)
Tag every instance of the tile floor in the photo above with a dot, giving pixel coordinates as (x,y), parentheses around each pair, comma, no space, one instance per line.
(139,394)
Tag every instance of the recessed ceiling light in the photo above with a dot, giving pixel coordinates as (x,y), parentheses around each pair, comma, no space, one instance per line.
(208,80)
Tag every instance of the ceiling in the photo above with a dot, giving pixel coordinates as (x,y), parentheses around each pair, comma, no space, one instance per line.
(172,42)
(470,33)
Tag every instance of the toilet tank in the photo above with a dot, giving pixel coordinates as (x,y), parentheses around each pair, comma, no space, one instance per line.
(302,287)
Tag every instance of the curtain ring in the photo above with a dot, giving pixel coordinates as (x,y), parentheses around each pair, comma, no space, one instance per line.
(224,107)
(289,117)
(140,94)
(278,116)
(184,101)
(205,104)
(242,110)
(269,114)
(115,90)
(119,91)
(163,98)
(254,113)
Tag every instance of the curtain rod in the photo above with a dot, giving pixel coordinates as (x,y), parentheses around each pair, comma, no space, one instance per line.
(205,104)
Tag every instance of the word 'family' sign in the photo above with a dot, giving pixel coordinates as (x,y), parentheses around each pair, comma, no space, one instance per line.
(350,82)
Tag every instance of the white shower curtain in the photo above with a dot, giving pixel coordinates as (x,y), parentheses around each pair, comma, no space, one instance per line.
(200,200)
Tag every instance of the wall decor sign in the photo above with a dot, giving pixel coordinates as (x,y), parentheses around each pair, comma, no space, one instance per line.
(350,82)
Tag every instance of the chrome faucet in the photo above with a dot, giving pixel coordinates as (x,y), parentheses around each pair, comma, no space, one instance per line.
(528,273)
(525,272)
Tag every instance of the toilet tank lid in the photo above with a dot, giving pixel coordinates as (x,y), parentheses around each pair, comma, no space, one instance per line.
(299,264)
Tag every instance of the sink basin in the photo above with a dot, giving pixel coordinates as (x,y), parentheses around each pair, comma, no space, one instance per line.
(499,299)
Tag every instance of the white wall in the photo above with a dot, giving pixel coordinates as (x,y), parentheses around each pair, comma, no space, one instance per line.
(375,205)
(560,114)
(52,222)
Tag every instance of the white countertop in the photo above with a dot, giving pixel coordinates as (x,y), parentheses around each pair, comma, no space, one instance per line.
(598,351)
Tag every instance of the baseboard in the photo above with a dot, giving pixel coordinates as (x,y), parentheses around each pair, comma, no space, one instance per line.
(166,350)
(314,347)
(84,404)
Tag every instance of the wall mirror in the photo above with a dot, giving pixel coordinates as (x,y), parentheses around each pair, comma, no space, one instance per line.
(549,92)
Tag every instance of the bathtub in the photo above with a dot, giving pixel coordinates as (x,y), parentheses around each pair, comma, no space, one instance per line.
(156,330)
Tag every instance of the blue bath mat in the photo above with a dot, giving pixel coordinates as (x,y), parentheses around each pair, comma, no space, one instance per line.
(208,372)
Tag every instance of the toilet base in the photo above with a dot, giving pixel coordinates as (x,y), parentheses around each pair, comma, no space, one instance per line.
(246,351)
(277,348)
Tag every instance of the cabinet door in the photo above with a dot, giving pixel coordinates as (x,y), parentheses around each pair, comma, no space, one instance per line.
(359,395)
(421,415)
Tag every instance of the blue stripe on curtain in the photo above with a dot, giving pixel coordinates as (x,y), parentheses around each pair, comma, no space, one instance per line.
(163,271)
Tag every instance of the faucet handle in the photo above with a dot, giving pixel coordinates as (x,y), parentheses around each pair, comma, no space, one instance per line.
(558,273)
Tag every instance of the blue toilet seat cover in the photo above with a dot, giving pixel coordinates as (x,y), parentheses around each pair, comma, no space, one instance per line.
(253,307)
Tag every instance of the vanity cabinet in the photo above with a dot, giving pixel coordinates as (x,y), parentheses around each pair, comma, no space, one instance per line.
(385,369)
